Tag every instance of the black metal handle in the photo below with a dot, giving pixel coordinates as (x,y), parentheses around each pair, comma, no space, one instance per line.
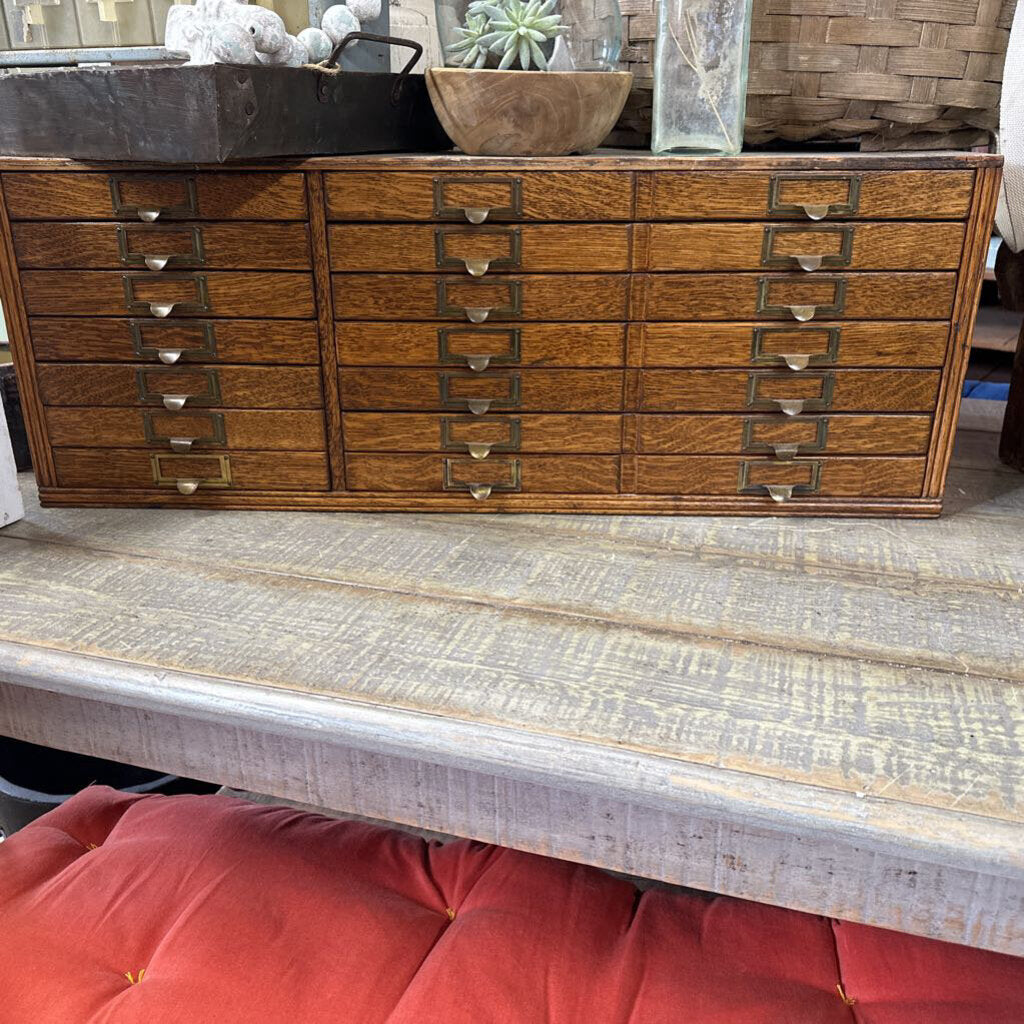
(370,37)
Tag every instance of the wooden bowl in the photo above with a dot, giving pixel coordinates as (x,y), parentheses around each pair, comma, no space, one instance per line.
(527,113)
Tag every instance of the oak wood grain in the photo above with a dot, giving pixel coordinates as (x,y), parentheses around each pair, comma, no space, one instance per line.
(884,195)
(533,432)
(101,339)
(277,430)
(537,248)
(231,246)
(538,390)
(224,195)
(560,474)
(869,296)
(581,297)
(102,293)
(123,467)
(895,343)
(873,246)
(543,195)
(242,387)
(421,344)
(840,477)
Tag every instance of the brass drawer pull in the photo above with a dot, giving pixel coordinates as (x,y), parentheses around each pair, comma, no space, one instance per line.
(781,491)
(175,400)
(190,484)
(795,360)
(479,489)
(189,207)
(784,451)
(477,214)
(449,442)
(162,310)
(800,312)
(478,406)
(216,435)
(479,362)
(170,354)
(814,211)
(790,406)
(155,260)
(478,314)
(478,267)
(809,262)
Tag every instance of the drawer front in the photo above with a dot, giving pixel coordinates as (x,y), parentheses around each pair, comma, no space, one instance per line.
(167,294)
(173,387)
(480,478)
(783,436)
(187,430)
(788,392)
(481,436)
(494,248)
(152,197)
(477,198)
(173,341)
(486,300)
(800,297)
(162,246)
(892,343)
(464,391)
(187,474)
(812,195)
(480,347)
(781,481)
(804,246)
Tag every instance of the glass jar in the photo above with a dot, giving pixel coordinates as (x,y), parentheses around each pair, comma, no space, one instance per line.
(577,35)
(700,75)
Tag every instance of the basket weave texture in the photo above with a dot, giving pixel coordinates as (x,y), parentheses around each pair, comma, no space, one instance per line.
(897,73)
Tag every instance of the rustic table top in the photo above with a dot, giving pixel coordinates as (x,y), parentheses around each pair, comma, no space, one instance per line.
(856,684)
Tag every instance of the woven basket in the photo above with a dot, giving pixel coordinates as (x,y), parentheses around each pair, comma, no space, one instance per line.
(896,73)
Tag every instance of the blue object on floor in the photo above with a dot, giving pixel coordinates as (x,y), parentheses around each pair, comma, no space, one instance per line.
(995,390)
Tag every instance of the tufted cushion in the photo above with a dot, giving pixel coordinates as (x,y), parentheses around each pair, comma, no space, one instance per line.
(205,910)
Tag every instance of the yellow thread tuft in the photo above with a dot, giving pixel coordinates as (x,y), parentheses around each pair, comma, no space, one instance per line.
(845,998)
(132,980)
(91,846)
(450,912)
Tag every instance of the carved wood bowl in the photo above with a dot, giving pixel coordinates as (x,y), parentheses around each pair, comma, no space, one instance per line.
(527,113)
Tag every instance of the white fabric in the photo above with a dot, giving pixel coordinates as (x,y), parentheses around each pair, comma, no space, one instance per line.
(1010,212)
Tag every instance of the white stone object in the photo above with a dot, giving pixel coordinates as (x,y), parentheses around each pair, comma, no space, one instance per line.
(11,507)
(292,54)
(199,30)
(317,43)
(232,44)
(364,10)
(338,21)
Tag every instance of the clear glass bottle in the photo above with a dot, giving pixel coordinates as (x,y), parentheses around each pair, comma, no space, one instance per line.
(700,75)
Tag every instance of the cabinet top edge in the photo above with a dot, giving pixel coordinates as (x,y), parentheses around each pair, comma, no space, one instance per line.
(603,160)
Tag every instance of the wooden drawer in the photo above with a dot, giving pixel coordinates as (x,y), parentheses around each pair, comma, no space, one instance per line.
(178,293)
(233,387)
(493,391)
(162,246)
(830,477)
(426,344)
(147,196)
(478,197)
(424,297)
(532,432)
(799,297)
(783,390)
(251,471)
(534,248)
(794,246)
(783,436)
(544,474)
(191,429)
(815,195)
(98,339)
(894,343)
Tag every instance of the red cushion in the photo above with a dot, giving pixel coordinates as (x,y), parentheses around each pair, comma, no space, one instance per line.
(243,914)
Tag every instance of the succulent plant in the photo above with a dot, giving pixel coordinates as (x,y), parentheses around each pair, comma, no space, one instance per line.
(515,29)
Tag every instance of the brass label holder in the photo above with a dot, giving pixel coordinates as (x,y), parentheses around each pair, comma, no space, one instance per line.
(189,207)
(207,350)
(769,258)
(478,214)
(816,211)
(751,446)
(130,258)
(201,303)
(217,435)
(513,444)
(755,400)
(811,486)
(211,396)
(164,479)
(826,358)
